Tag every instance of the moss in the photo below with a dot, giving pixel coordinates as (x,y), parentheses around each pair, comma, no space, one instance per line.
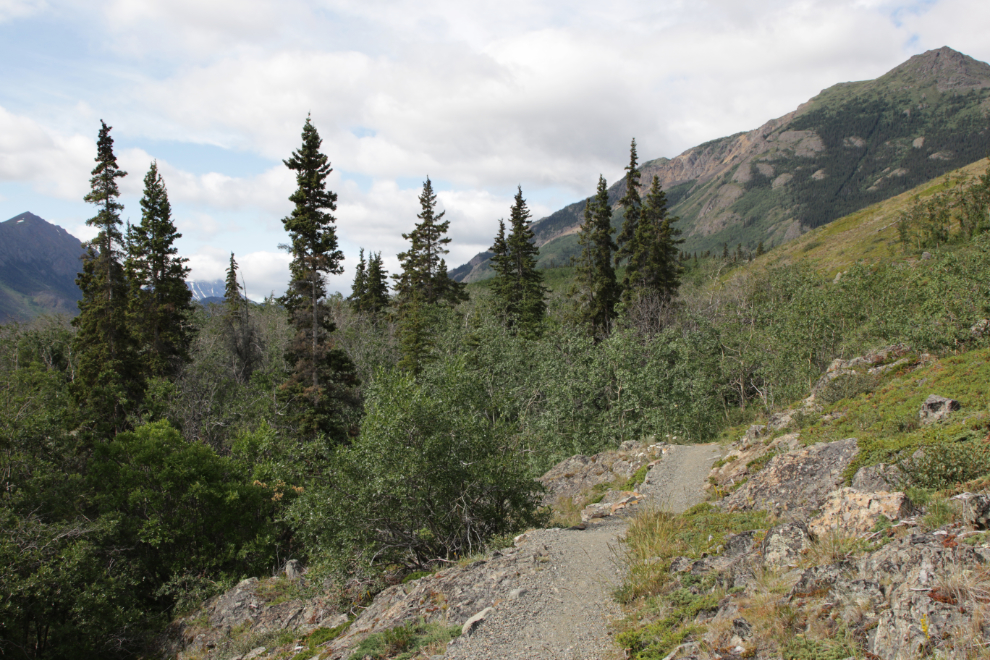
(318,637)
(415,575)
(638,478)
(802,648)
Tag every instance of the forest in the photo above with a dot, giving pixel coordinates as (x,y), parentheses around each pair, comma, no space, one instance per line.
(154,452)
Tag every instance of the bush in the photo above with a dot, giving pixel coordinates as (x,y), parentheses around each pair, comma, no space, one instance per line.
(945,465)
(432,476)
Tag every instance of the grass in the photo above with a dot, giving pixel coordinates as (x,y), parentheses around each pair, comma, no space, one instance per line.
(663,607)
(885,420)
(407,641)
(320,636)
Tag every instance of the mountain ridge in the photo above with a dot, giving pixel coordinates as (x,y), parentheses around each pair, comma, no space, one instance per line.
(851,145)
(39,262)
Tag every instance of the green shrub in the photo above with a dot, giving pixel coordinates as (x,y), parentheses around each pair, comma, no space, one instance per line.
(431,476)
(847,386)
(944,465)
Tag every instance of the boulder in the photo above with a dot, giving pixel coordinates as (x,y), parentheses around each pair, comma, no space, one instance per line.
(849,511)
(980,329)
(936,408)
(293,569)
(873,478)
(797,482)
(785,544)
(975,509)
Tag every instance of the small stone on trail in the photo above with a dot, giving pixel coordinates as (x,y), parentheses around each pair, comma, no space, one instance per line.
(475,621)
(516,593)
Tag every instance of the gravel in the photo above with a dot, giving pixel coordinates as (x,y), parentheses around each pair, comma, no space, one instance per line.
(563,608)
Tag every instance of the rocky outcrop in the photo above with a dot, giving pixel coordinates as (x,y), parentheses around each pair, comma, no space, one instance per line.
(575,477)
(936,408)
(850,511)
(251,610)
(797,482)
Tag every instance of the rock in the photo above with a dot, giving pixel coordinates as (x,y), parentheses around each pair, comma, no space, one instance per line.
(515,594)
(784,544)
(848,510)
(575,477)
(755,431)
(975,509)
(471,624)
(936,408)
(878,477)
(980,329)
(254,653)
(293,569)
(925,256)
(797,482)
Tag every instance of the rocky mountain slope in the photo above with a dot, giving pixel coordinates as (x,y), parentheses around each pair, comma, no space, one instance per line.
(853,145)
(39,262)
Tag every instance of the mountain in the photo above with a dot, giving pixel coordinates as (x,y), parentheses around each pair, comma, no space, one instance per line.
(207,292)
(852,145)
(39,262)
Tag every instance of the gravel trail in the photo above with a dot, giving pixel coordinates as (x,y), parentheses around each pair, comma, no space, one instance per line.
(562,608)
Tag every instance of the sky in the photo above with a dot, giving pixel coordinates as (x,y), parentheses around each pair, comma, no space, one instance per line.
(482,97)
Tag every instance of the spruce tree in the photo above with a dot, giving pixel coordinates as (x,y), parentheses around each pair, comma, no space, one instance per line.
(631,204)
(108,383)
(421,263)
(664,266)
(376,292)
(232,288)
(414,344)
(596,291)
(518,287)
(320,390)
(369,293)
(360,287)
(161,303)
(502,283)
(239,331)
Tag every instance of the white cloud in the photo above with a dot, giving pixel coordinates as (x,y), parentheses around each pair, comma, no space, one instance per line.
(13,9)
(480,97)
(53,164)
(263,272)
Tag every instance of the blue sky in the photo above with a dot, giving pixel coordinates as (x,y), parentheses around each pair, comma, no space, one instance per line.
(479,96)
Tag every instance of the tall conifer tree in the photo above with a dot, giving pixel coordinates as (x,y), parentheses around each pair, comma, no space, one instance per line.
(232,288)
(321,386)
(377,288)
(423,267)
(596,291)
(631,204)
(238,329)
(161,303)
(518,286)
(360,287)
(109,383)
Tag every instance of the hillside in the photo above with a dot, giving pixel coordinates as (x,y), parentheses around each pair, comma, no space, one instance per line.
(38,266)
(853,145)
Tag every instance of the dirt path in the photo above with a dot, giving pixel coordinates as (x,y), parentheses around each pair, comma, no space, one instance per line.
(562,610)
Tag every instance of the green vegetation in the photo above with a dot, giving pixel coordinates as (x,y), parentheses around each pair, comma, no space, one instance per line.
(405,642)
(663,605)
(373,442)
